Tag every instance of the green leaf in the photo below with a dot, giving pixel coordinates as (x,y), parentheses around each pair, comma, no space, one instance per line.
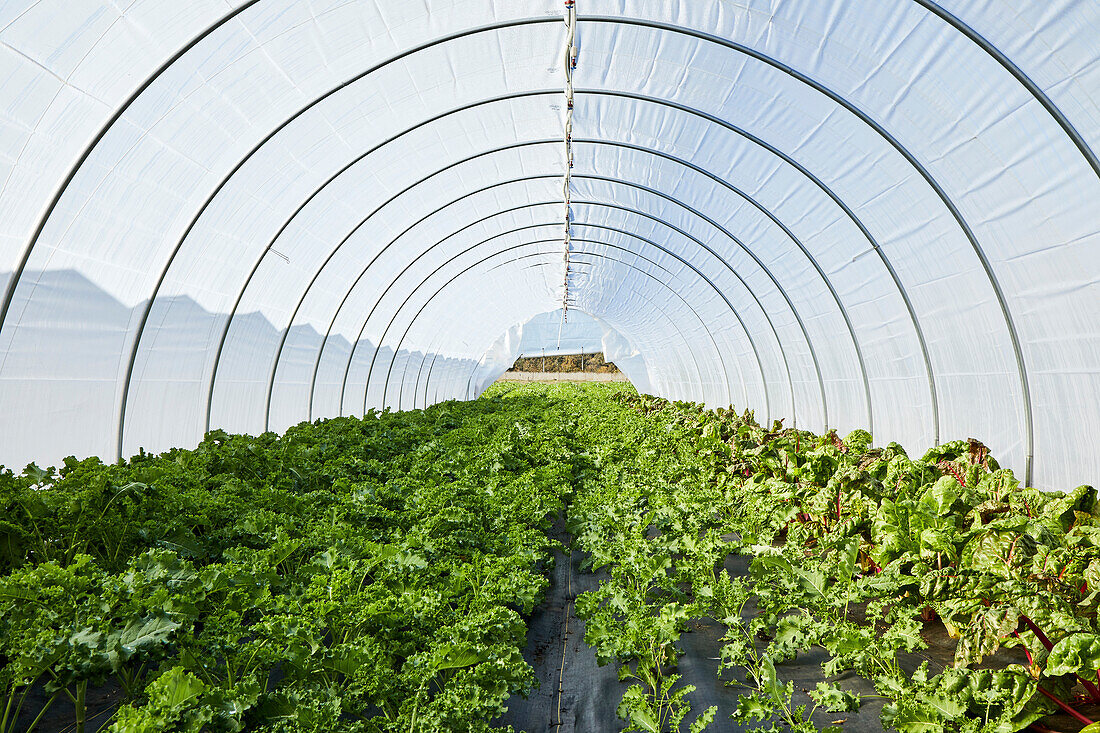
(1092,575)
(946,707)
(644,720)
(705,718)
(1076,654)
(834,699)
(770,684)
(146,632)
(17,593)
(925,720)
(348,661)
(983,636)
(845,559)
(177,687)
(456,657)
(174,704)
(942,496)
(812,581)
(751,708)
(38,475)
(283,550)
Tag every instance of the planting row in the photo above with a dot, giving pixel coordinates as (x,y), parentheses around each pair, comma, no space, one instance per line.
(354,574)
(861,553)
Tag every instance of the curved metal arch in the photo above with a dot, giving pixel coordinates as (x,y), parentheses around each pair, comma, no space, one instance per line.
(427,381)
(393,317)
(512,146)
(721,294)
(137,340)
(704,246)
(1037,92)
(1067,127)
(469,378)
(547,254)
(248,156)
(679,203)
(628,21)
(839,99)
(679,333)
(703,115)
(17,275)
(816,265)
(721,229)
(760,263)
(657,193)
(684,108)
(653,244)
(359,336)
(742,194)
(256,266)
(544,203)
(671,321)
(828,191)
(316,275)
(1010,66)
(718,291)
(474,370)
(385,388)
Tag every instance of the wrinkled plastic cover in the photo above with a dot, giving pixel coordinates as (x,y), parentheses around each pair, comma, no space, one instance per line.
(839,213)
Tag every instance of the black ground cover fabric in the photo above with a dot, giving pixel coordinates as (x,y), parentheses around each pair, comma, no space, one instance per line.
(576,695)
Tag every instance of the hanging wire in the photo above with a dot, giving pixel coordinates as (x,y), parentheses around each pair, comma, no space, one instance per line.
(570,63)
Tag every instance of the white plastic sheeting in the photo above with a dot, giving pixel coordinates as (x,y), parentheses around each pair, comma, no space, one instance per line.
(843,213)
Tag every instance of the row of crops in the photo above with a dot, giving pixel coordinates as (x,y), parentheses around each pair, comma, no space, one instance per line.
(352,575)
(863,555)
(377,574)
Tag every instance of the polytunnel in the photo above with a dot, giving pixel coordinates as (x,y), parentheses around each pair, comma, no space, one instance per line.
(858,213)
(264,265)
